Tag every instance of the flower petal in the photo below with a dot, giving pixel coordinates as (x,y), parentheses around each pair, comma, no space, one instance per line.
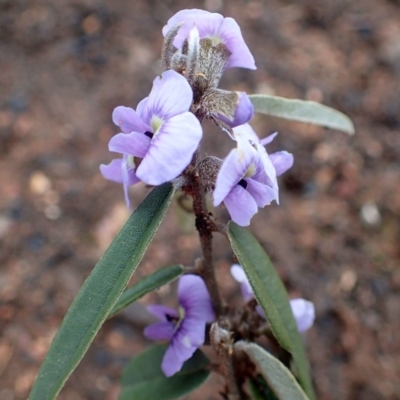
(262,194)
(244,112)
(304,313)
(161,103)
(260,312)
(189,337)
(282,161)
(142,104)
(232,171)
(246,131)
(128,120)
(268,139)
(208,24)
(240,276)
(171,150)
(238,273)
(113,171)
(233,39)
(173,359)
(265,166)
(194,298)
(192,331)
(134,144)
(120,171)
(161,312)
(241,205)
(128,175)
(160,331)
(216,27)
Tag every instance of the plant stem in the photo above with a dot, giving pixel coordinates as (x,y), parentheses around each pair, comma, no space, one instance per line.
(205,227)
(221,341)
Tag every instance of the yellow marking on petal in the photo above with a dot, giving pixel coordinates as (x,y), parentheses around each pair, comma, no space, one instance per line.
(156,123)
(131,162)
(181,317)
(181,312)
(215,40)
(250,171)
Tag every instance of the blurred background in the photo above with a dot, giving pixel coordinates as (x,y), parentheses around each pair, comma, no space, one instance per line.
(64,66)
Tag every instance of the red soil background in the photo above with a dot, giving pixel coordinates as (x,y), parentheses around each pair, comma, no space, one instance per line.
(335,237)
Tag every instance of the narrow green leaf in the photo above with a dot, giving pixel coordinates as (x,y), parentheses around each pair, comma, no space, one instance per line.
(99,293)
(146,285)
(260,390)
(302,111)
(272,296)
(279,378)
(143,379)
(255,392)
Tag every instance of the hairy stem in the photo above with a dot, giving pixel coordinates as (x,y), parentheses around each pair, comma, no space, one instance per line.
(221,341)
(205,227)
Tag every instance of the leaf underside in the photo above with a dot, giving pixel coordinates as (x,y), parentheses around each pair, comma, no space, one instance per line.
(278,377)
(302,111)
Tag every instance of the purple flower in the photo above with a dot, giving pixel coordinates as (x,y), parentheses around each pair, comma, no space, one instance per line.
(213,26)
(240,276)
(304,313)
(303,310)
(184,328)
(247,178)
(159,138)
(243,113)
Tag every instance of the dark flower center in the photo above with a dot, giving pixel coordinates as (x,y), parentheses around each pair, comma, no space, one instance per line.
(171,318)
(149,134)
(243,183)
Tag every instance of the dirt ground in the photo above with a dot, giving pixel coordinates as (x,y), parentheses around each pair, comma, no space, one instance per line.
(334,238)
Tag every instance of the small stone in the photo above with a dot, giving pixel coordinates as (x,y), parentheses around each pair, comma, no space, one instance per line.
(348,280)
(52,212)
(39,183)
(370,214)
(91,25)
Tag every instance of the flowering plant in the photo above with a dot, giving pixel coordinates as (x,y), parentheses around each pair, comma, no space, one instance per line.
(257,348)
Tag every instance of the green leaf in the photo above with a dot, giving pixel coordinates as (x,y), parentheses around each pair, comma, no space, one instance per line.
(255,391)
(278,377)
(143,379)
(146,285)
(260,389)
(302,111)
(260,392)
(99,293)
(272,297)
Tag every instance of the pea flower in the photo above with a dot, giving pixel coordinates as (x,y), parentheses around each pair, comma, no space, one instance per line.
(158,139)
(243,113)
(185,328)
(215,27)
(303,310)
(247,178)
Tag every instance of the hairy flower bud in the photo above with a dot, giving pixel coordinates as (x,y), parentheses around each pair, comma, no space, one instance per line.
(208,170)
(193,53)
